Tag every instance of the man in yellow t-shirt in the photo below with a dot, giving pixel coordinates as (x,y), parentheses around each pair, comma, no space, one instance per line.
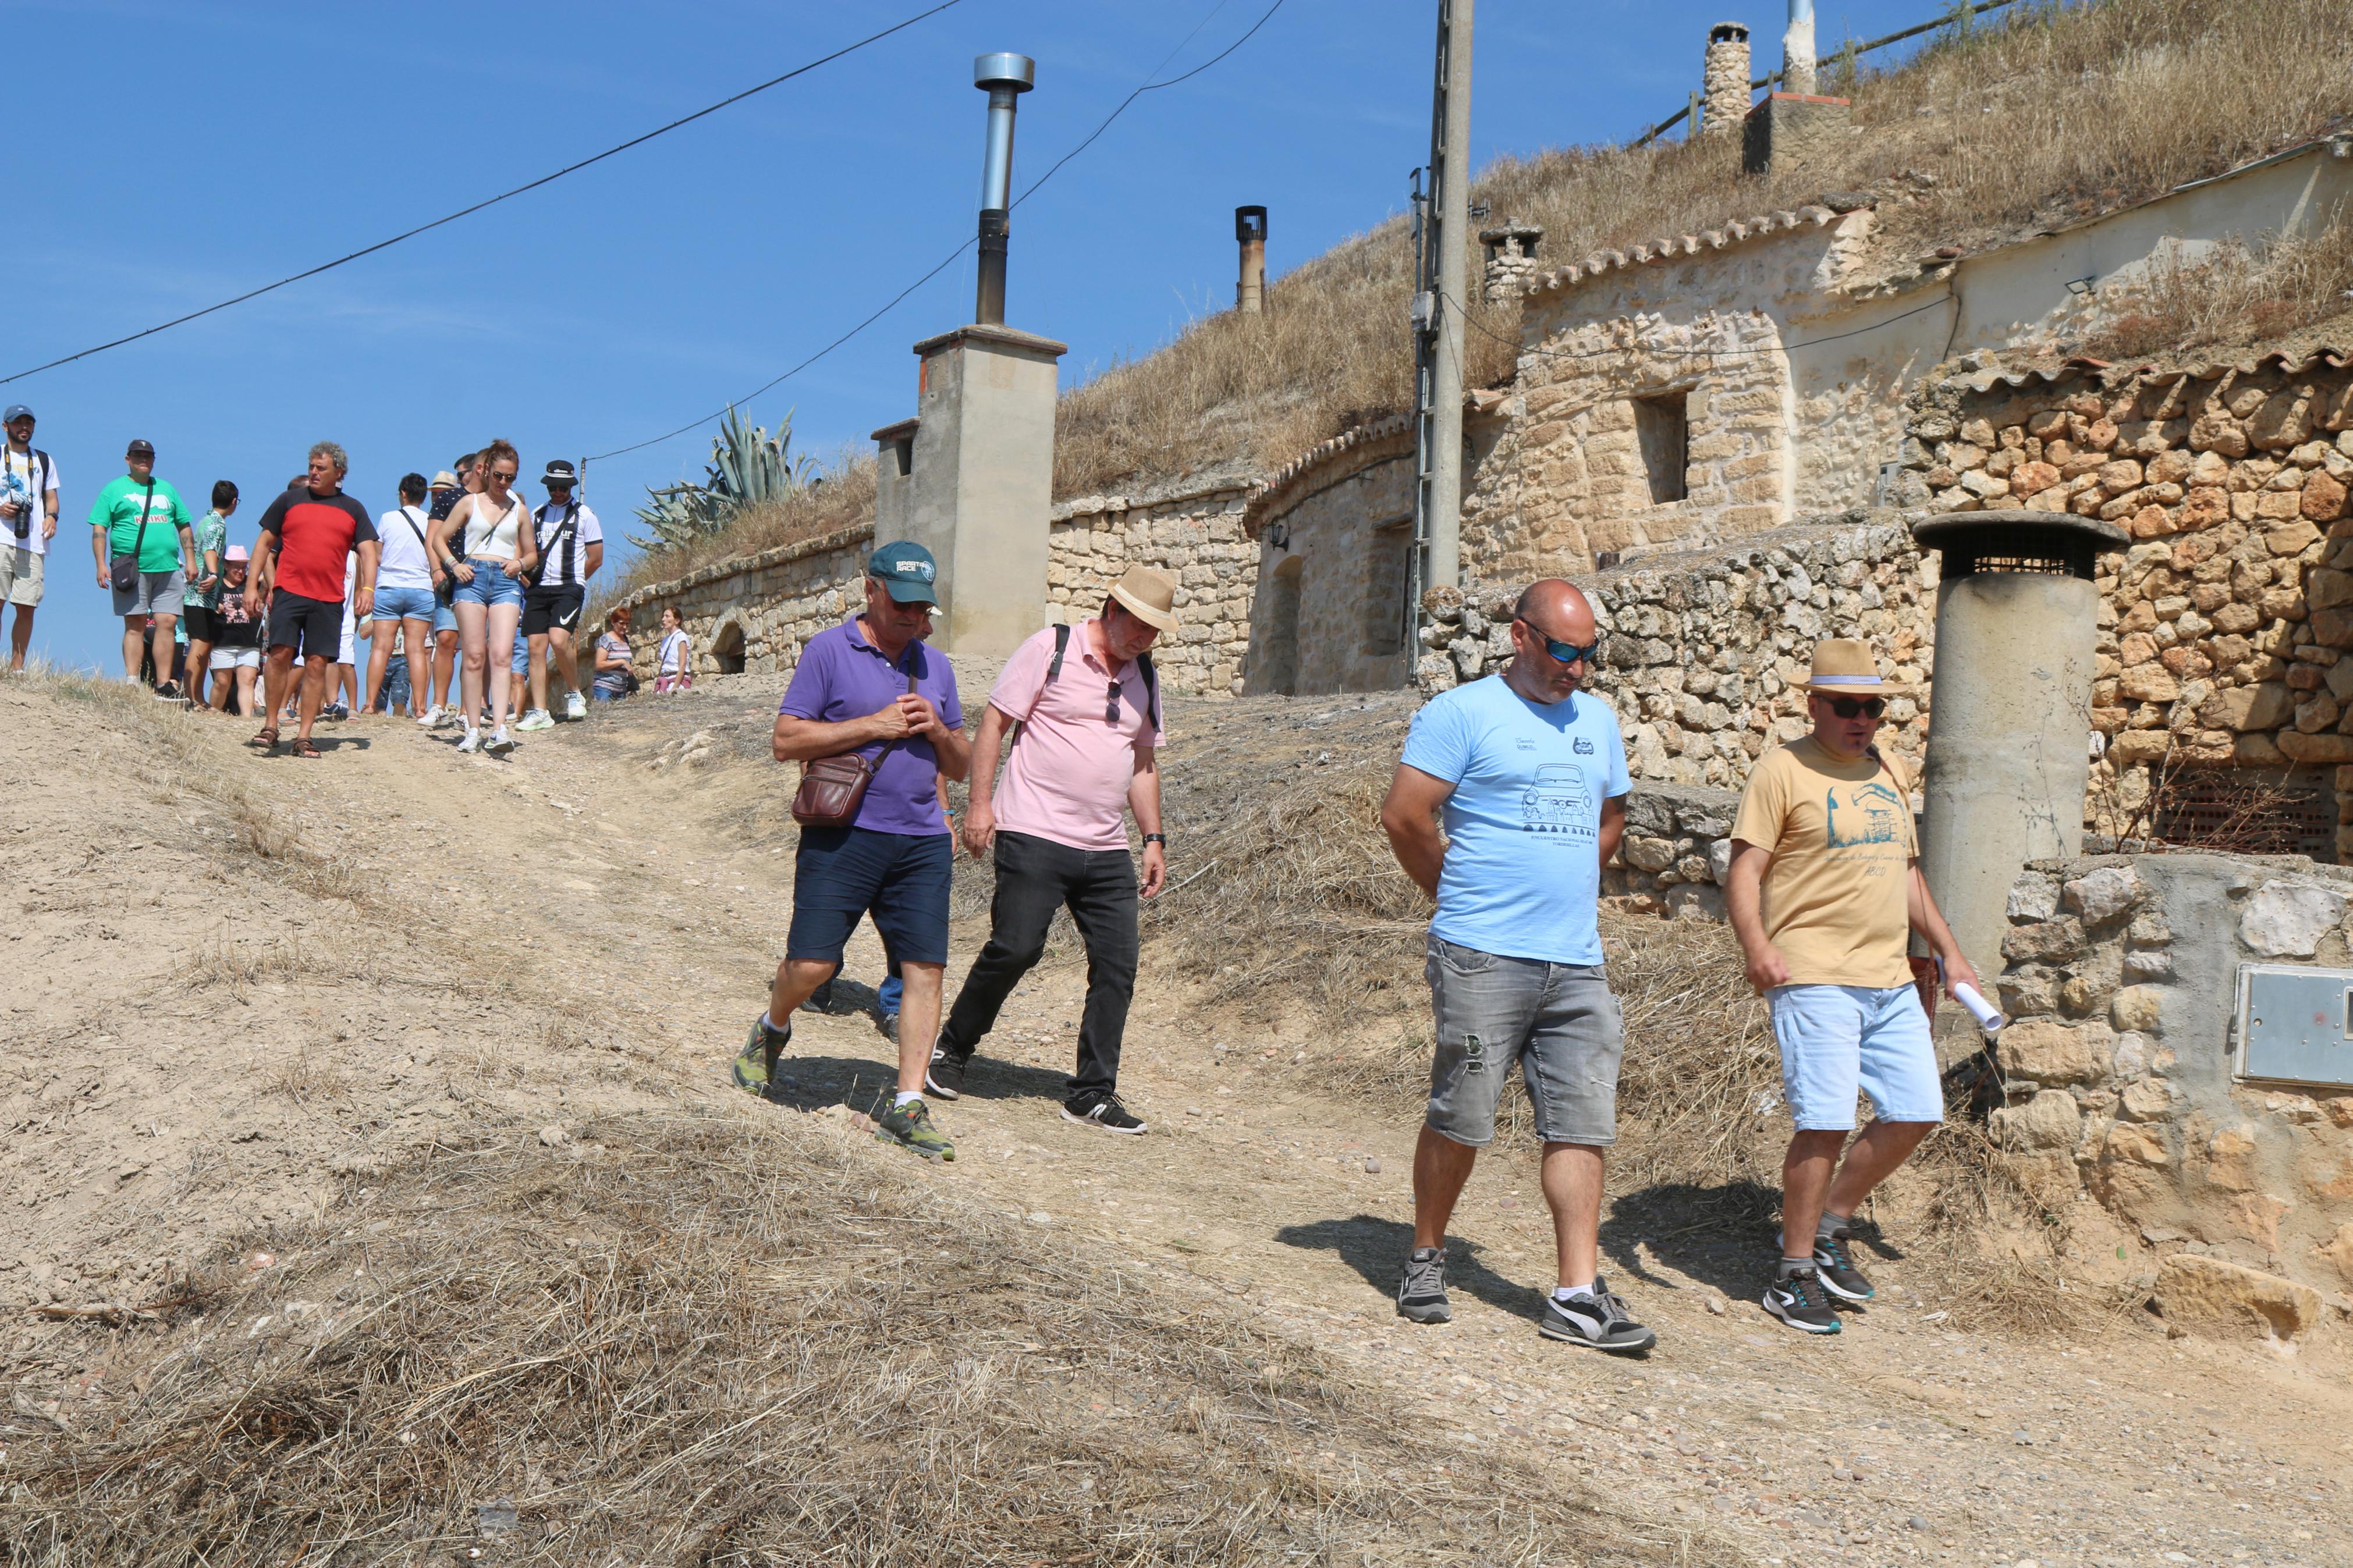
(1824,892)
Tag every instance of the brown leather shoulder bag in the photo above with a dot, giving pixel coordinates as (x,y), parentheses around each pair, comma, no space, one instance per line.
(832,788)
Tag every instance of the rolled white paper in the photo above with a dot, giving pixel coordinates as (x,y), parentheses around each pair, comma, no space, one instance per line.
(1988,1016)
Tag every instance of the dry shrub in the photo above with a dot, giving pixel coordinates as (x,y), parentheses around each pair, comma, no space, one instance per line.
(2046,118)
(845,498)
(2231,296)
(665,1350)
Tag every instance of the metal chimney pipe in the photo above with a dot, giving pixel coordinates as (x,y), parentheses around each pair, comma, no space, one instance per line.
(1003,77)
(1250,291)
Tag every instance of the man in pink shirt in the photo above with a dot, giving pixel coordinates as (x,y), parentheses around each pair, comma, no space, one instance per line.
(1084,708)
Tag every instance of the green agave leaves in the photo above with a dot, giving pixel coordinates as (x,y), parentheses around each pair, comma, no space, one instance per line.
(748,468)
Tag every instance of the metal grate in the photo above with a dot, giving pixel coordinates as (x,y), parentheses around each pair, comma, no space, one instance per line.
(2244,811)
(2009,547)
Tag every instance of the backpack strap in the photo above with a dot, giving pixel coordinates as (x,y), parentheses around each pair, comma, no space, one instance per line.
(1151,685)
(1061,646)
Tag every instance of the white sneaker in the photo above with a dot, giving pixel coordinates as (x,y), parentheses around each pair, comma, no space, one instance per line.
(537,718)
(472,742)
(575,705)
(431,718)
(451,718)
(500,744)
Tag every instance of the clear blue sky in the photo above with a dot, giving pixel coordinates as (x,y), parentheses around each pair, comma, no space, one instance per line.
(173,153)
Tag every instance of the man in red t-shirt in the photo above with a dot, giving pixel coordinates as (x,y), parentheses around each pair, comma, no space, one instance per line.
(298,574)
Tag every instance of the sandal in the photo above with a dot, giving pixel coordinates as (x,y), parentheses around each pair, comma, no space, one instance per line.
(267,740)
(304,748)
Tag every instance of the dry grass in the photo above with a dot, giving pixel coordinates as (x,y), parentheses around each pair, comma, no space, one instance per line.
(2235,296)
(649,1348)
(2047,118)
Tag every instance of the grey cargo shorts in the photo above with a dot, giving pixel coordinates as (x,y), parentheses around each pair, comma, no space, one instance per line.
(1557,1021)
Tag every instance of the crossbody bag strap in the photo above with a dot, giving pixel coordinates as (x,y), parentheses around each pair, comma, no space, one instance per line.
(139,539)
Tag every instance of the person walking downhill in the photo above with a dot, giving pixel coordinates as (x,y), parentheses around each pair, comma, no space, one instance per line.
(869,685)
(571,545)
(237,636)
(1083,708)
(28,508)
(404,597)
(441,676)
(1532,777)
(308,534)
(138,521)
(1824,891)
(484,545)
(203,594)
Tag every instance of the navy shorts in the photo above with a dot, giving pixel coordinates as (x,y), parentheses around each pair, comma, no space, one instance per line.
(900,878)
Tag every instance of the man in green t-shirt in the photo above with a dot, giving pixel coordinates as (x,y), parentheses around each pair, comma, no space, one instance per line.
(166,547)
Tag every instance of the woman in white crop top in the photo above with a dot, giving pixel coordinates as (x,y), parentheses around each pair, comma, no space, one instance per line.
(488,555)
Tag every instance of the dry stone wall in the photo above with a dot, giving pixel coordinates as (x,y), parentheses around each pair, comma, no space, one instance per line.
(1195,535)
(2233,1198)
(2224,628)
(755,613)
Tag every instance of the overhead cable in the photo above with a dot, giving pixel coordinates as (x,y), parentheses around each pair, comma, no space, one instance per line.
(491,201)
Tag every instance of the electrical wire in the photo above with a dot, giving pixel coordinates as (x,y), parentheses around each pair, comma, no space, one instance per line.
(950,259)
(1473,322)
(491,201)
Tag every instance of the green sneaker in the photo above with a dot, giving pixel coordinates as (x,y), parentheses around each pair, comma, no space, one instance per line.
(911,1124)
(755,1064)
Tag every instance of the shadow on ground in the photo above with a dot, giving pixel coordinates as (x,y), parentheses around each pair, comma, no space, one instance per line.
(1377,1248)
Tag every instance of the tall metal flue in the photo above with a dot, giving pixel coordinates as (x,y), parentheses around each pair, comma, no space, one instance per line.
(1005,78)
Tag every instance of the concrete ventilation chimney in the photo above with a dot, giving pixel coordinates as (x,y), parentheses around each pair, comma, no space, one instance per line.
(1725,81)
(1250,289)
(1510,258)
(1797,49)
(1005,78)
(2010,729)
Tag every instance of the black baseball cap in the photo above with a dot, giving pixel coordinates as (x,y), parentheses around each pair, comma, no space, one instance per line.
(140,449)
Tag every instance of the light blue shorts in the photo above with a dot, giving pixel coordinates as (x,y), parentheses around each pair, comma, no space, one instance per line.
(1837,1040)
(491,586)
(404,604)
(445,616)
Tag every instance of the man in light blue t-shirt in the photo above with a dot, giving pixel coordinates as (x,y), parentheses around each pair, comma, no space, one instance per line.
(1531,779)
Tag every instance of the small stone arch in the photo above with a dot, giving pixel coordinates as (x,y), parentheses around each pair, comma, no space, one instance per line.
(727,643)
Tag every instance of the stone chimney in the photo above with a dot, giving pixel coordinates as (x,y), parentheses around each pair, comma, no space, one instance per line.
(1510,258)
(1725,83)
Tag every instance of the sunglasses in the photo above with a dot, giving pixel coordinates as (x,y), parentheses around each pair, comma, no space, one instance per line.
(506,474)
(1857,707)
(1568,652)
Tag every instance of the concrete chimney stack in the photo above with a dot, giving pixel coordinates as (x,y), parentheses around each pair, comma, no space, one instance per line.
(1005,78)
(1249,291)
(1724,83)
(2010,724)
(1797,49)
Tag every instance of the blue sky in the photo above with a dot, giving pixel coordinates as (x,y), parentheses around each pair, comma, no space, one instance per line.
(173,153)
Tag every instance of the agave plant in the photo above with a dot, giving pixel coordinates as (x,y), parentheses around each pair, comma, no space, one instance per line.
(748,468)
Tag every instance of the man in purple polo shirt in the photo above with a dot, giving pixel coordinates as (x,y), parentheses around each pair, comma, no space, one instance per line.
(869,685)
(1084,711)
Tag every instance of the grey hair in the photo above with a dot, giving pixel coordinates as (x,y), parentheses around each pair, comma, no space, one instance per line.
(335,455)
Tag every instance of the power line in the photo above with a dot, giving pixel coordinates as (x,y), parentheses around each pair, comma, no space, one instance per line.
(951,257)
(492,201)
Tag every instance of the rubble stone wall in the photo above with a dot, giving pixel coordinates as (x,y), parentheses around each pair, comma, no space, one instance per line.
(760,608)
(2118,1078)
(2224,629)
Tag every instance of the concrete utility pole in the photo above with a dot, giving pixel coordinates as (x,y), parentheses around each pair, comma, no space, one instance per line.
(1442,291)
(1797,49)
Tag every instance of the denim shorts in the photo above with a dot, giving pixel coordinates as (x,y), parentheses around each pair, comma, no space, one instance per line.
(404,604)
(900,878)
(1837,1040)
(445,618)
(491,586)
(1557,1021)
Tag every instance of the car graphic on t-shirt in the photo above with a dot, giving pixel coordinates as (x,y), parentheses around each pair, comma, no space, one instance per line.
(1872,814)
(1558,800)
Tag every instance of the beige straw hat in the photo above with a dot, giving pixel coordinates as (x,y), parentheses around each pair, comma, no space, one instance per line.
(1149,595)
(1846,667)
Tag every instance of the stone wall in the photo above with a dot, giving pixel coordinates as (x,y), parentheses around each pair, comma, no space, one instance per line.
(1677,847)
(756,612)
(2235,1197)
(2224,628)
(1335,538)
(1700,649)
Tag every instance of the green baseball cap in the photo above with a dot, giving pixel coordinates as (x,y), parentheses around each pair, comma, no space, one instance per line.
(907,571)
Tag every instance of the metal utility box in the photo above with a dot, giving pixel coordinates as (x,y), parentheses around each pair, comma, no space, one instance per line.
(2294,1025)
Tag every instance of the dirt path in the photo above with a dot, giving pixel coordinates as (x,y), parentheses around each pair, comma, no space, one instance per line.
(633,870)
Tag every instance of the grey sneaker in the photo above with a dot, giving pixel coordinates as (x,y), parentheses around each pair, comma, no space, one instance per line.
(1595,1318)
(911,1127)
(1835,1267)
(1421,1293)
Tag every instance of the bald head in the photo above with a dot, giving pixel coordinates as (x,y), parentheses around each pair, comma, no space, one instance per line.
(1557,609)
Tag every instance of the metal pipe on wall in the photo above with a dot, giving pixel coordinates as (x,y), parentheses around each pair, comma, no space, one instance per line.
(1004,77)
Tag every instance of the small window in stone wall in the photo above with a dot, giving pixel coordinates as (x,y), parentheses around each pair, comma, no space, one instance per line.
(1386,573)
(2248,811)
(1662,427)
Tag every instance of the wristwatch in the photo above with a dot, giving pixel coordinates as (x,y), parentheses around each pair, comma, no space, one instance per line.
(1160,838)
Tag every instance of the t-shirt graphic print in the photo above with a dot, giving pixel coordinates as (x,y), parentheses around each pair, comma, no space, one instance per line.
(1523,869)
(1836,896)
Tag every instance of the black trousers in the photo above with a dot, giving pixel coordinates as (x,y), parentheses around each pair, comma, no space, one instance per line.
(1034,878)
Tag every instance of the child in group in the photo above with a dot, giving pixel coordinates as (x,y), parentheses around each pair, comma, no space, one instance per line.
(237,636)
(675,660)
